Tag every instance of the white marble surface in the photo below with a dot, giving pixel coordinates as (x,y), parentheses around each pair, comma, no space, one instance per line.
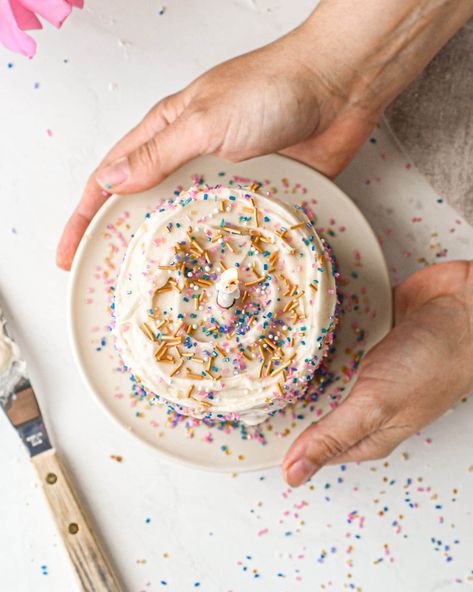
(119,61)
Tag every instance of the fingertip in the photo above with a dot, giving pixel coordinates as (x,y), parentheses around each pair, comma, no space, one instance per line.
(299,472)
(62,262)
(65,252)
(297,449)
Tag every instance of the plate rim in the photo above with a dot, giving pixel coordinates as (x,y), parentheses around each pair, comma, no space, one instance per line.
(78,355)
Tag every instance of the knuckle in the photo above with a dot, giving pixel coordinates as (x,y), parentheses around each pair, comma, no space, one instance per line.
(379,446)
(199,127)
(379,454)
(170,107)
(375,409)
(376,414)
(325,447)
(152,121)
(230,156)
(148,157)
(199,119)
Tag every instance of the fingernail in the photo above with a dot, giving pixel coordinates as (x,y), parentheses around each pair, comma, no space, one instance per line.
(299,472)
(114,174)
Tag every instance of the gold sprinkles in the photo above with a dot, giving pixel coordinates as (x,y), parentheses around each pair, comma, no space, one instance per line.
(148,332)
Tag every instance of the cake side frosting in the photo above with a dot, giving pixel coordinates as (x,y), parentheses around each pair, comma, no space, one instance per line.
(241,362)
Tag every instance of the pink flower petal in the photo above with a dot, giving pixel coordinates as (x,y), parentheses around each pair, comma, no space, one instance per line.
(25,19)
(53,11)
(17,16)
(11,35)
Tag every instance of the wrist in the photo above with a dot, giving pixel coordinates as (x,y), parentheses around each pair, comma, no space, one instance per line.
(370,51)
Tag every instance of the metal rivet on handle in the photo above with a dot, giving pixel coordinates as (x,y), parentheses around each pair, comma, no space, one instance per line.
(73,528)
(51,478)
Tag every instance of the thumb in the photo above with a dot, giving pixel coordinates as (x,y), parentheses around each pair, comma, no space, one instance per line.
(153,160)
(327,439)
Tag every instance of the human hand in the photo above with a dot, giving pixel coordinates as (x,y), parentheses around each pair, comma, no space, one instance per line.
(314,94)
(417,372)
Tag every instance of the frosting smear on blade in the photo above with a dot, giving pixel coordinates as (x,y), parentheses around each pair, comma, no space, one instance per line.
(259,351)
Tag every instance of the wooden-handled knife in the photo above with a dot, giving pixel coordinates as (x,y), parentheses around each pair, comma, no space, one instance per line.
(18,400)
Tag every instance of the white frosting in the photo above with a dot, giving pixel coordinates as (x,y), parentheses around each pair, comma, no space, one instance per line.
(236,385)
(6,351)
(12,367)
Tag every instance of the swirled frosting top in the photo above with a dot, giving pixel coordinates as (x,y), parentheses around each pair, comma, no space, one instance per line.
(182,344)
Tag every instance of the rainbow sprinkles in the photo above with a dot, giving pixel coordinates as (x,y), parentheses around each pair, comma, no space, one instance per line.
(225,305)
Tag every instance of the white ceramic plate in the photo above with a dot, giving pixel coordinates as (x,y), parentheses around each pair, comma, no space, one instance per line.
(366,318)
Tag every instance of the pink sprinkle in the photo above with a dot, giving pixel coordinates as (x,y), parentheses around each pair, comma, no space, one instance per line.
(262,532)
(49,132)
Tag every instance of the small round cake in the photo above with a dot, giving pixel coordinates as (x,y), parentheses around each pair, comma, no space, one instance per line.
(225,303)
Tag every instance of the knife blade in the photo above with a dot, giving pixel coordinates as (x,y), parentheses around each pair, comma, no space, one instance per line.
(17,397)
(18,400)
